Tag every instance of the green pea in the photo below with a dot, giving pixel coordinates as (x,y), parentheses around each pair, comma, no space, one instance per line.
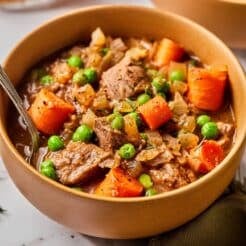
(150,192)
(76,137)
(143,98)
(160,85)
(46,80)
(46,163)
(79,78)
(210,130)
(127,151)
(112,116)
(203,119)
(157,84)
(117,122)
(145,180)
(90,75)
(75,61)
(55,143)
(104,51)
(48,170)
(177,75)
(136,117)
(83,133)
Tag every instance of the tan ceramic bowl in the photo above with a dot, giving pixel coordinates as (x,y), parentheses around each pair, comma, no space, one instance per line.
(226,18)
(121,217)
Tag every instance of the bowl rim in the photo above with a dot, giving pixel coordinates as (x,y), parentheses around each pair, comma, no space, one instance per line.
(184,189)
(233,2)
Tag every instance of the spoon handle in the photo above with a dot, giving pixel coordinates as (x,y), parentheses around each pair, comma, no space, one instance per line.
(15,98)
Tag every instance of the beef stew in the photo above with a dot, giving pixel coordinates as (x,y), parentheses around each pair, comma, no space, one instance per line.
(126,117)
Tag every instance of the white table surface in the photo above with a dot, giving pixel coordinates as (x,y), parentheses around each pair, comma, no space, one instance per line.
(23,224)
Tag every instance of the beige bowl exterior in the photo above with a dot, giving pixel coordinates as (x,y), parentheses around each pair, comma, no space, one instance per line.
(127,217)
(226,18)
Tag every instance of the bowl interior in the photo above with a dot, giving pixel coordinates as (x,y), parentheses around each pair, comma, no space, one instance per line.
(126,21)
(235,1)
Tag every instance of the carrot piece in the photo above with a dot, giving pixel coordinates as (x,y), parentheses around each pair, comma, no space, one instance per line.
(155,112)
(206,87)
(207,157)
(168,51)
(119,184)
(211,153)
(49,112)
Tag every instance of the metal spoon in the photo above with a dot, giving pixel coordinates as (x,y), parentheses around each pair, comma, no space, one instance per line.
(15,98)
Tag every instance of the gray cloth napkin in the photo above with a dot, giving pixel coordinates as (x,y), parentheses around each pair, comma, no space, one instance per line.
(222,224)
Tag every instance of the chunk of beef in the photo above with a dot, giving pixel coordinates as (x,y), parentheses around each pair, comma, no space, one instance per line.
(118,49)
(226,133)
(154,138)
(226,129)
(141,87)
(155,156)
(171,176)
(147,155)
(76,50)
(118,45)
(173,144)
(78,162)
(194,110)
(120,80)
(69,127)
(134,168)
(108,137)
(183,158)
(178,106)
(224,142)
(107,163)
(164,157)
